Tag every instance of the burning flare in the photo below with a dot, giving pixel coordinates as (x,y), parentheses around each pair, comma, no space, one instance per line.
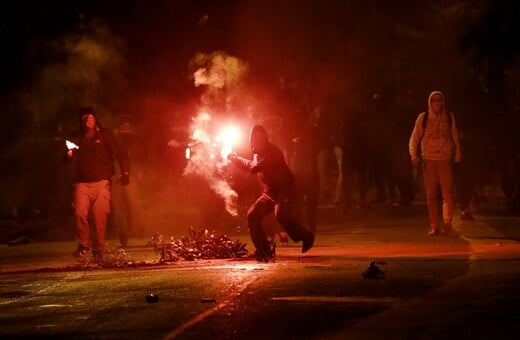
(228,138)
(208,156)
(70,145)
(221,75)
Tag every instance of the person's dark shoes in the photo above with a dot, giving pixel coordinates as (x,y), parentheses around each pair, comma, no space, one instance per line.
(308,242)
(265,258)
(466,216)
(434,230)
(80,251)
(266,255)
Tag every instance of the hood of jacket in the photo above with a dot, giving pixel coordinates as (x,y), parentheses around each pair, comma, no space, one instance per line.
(87,110)
(430,109)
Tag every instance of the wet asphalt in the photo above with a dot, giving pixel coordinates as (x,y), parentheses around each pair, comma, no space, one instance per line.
(464,284)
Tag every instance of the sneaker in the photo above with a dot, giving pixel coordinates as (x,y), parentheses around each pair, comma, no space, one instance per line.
(308,243)
(80,252)
(434,230)
(446,228)
(266,255)
(263,257)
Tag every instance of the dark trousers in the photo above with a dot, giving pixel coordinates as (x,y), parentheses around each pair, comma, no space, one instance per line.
(283,212)
(307,197)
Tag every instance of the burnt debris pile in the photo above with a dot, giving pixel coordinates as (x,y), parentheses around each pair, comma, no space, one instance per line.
(198,245)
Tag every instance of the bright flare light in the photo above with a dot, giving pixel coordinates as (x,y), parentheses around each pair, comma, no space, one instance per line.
(228,138)
(71,145)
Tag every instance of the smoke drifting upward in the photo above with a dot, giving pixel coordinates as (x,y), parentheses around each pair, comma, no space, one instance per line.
(90,71)
(221,74)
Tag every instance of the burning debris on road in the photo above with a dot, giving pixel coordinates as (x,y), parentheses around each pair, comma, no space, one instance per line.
(198,245)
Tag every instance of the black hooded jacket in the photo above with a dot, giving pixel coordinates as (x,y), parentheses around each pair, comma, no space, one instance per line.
(271,169)
(95,156)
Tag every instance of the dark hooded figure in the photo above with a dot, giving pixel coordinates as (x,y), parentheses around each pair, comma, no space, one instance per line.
(278,194)
(94,151)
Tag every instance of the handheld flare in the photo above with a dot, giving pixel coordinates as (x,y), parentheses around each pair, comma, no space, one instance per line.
(70,145)
(228,138)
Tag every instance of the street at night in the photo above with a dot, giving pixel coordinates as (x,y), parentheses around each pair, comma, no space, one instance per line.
(464,285)
(260,169)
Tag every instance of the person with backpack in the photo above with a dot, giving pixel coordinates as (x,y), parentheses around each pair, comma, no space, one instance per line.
(435,140)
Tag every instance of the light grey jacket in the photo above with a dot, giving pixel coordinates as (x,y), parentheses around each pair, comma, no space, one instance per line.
(439,141)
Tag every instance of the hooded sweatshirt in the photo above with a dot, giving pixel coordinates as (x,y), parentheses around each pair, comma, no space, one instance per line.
(439,141)
(269,165)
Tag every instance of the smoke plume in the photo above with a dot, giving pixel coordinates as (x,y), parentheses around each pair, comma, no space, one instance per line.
(89,70)
(221,75)
(206,163)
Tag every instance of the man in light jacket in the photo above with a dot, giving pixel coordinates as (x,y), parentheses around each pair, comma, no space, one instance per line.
(435,140)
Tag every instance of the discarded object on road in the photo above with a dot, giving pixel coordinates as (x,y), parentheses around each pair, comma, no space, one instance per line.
(152,298)
(373,272)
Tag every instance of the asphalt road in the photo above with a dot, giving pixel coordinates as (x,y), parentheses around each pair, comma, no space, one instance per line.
(464,285)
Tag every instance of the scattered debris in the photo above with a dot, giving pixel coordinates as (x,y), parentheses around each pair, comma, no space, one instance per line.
(152,298)
(112,258)
(198,245)
(373,272)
